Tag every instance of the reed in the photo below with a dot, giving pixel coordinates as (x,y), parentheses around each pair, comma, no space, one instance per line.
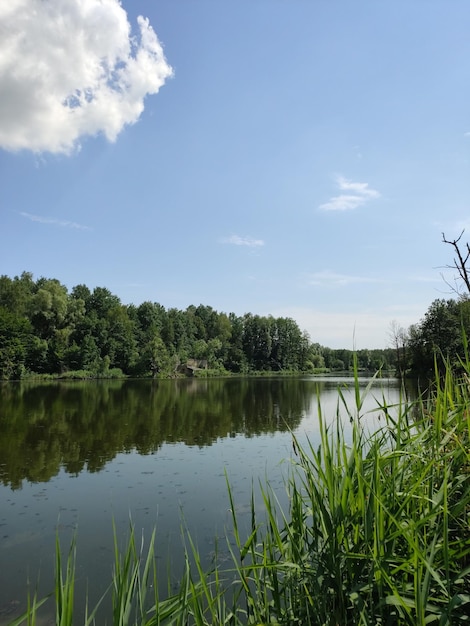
(377,532)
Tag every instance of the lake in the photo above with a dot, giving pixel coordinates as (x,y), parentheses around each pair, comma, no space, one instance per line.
(76,456)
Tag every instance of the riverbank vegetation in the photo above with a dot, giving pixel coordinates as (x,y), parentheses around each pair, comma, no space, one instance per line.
(48,331)
(377,532)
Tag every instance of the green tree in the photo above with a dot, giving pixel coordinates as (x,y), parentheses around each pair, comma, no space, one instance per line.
(438,336)
(288,345)
(16,293)
(121,346)
(235,358)
(48,307)
(15,338)
(257,341)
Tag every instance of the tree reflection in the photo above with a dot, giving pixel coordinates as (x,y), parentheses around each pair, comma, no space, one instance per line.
(82,425)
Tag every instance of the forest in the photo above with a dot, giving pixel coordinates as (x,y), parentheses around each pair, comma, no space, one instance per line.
(84,333)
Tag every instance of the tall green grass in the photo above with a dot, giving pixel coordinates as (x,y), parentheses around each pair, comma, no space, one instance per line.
(377,532)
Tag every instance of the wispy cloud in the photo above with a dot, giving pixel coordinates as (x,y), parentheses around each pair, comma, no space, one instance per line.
(362,329)
(236,240)
(420,278)
(355,195)
(467,134)
(332,279)
(358,152)
(453,228)
(53,221)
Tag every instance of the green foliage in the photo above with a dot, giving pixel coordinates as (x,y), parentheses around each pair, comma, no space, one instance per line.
(51,331)
(16,293)
(438,337)
(15,338)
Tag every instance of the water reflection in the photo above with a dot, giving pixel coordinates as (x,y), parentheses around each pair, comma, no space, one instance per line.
(88,454)
(83,425)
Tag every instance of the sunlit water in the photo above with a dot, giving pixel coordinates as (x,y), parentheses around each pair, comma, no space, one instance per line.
(74,457)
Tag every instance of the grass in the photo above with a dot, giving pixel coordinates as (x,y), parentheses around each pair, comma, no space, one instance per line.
(377,532)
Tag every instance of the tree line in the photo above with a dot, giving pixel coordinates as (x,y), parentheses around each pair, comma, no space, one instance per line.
(45,329)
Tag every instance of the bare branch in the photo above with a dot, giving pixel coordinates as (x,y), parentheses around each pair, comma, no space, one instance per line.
(453,288)
(460,263)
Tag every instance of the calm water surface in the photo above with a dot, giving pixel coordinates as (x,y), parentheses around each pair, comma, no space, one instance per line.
(78,455)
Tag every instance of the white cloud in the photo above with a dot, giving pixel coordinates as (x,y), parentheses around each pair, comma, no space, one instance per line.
(53,221)
(357,194)
(332,279)
(72,69)
(243,241)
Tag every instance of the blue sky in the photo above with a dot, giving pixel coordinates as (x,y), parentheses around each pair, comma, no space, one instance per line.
(294,158)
